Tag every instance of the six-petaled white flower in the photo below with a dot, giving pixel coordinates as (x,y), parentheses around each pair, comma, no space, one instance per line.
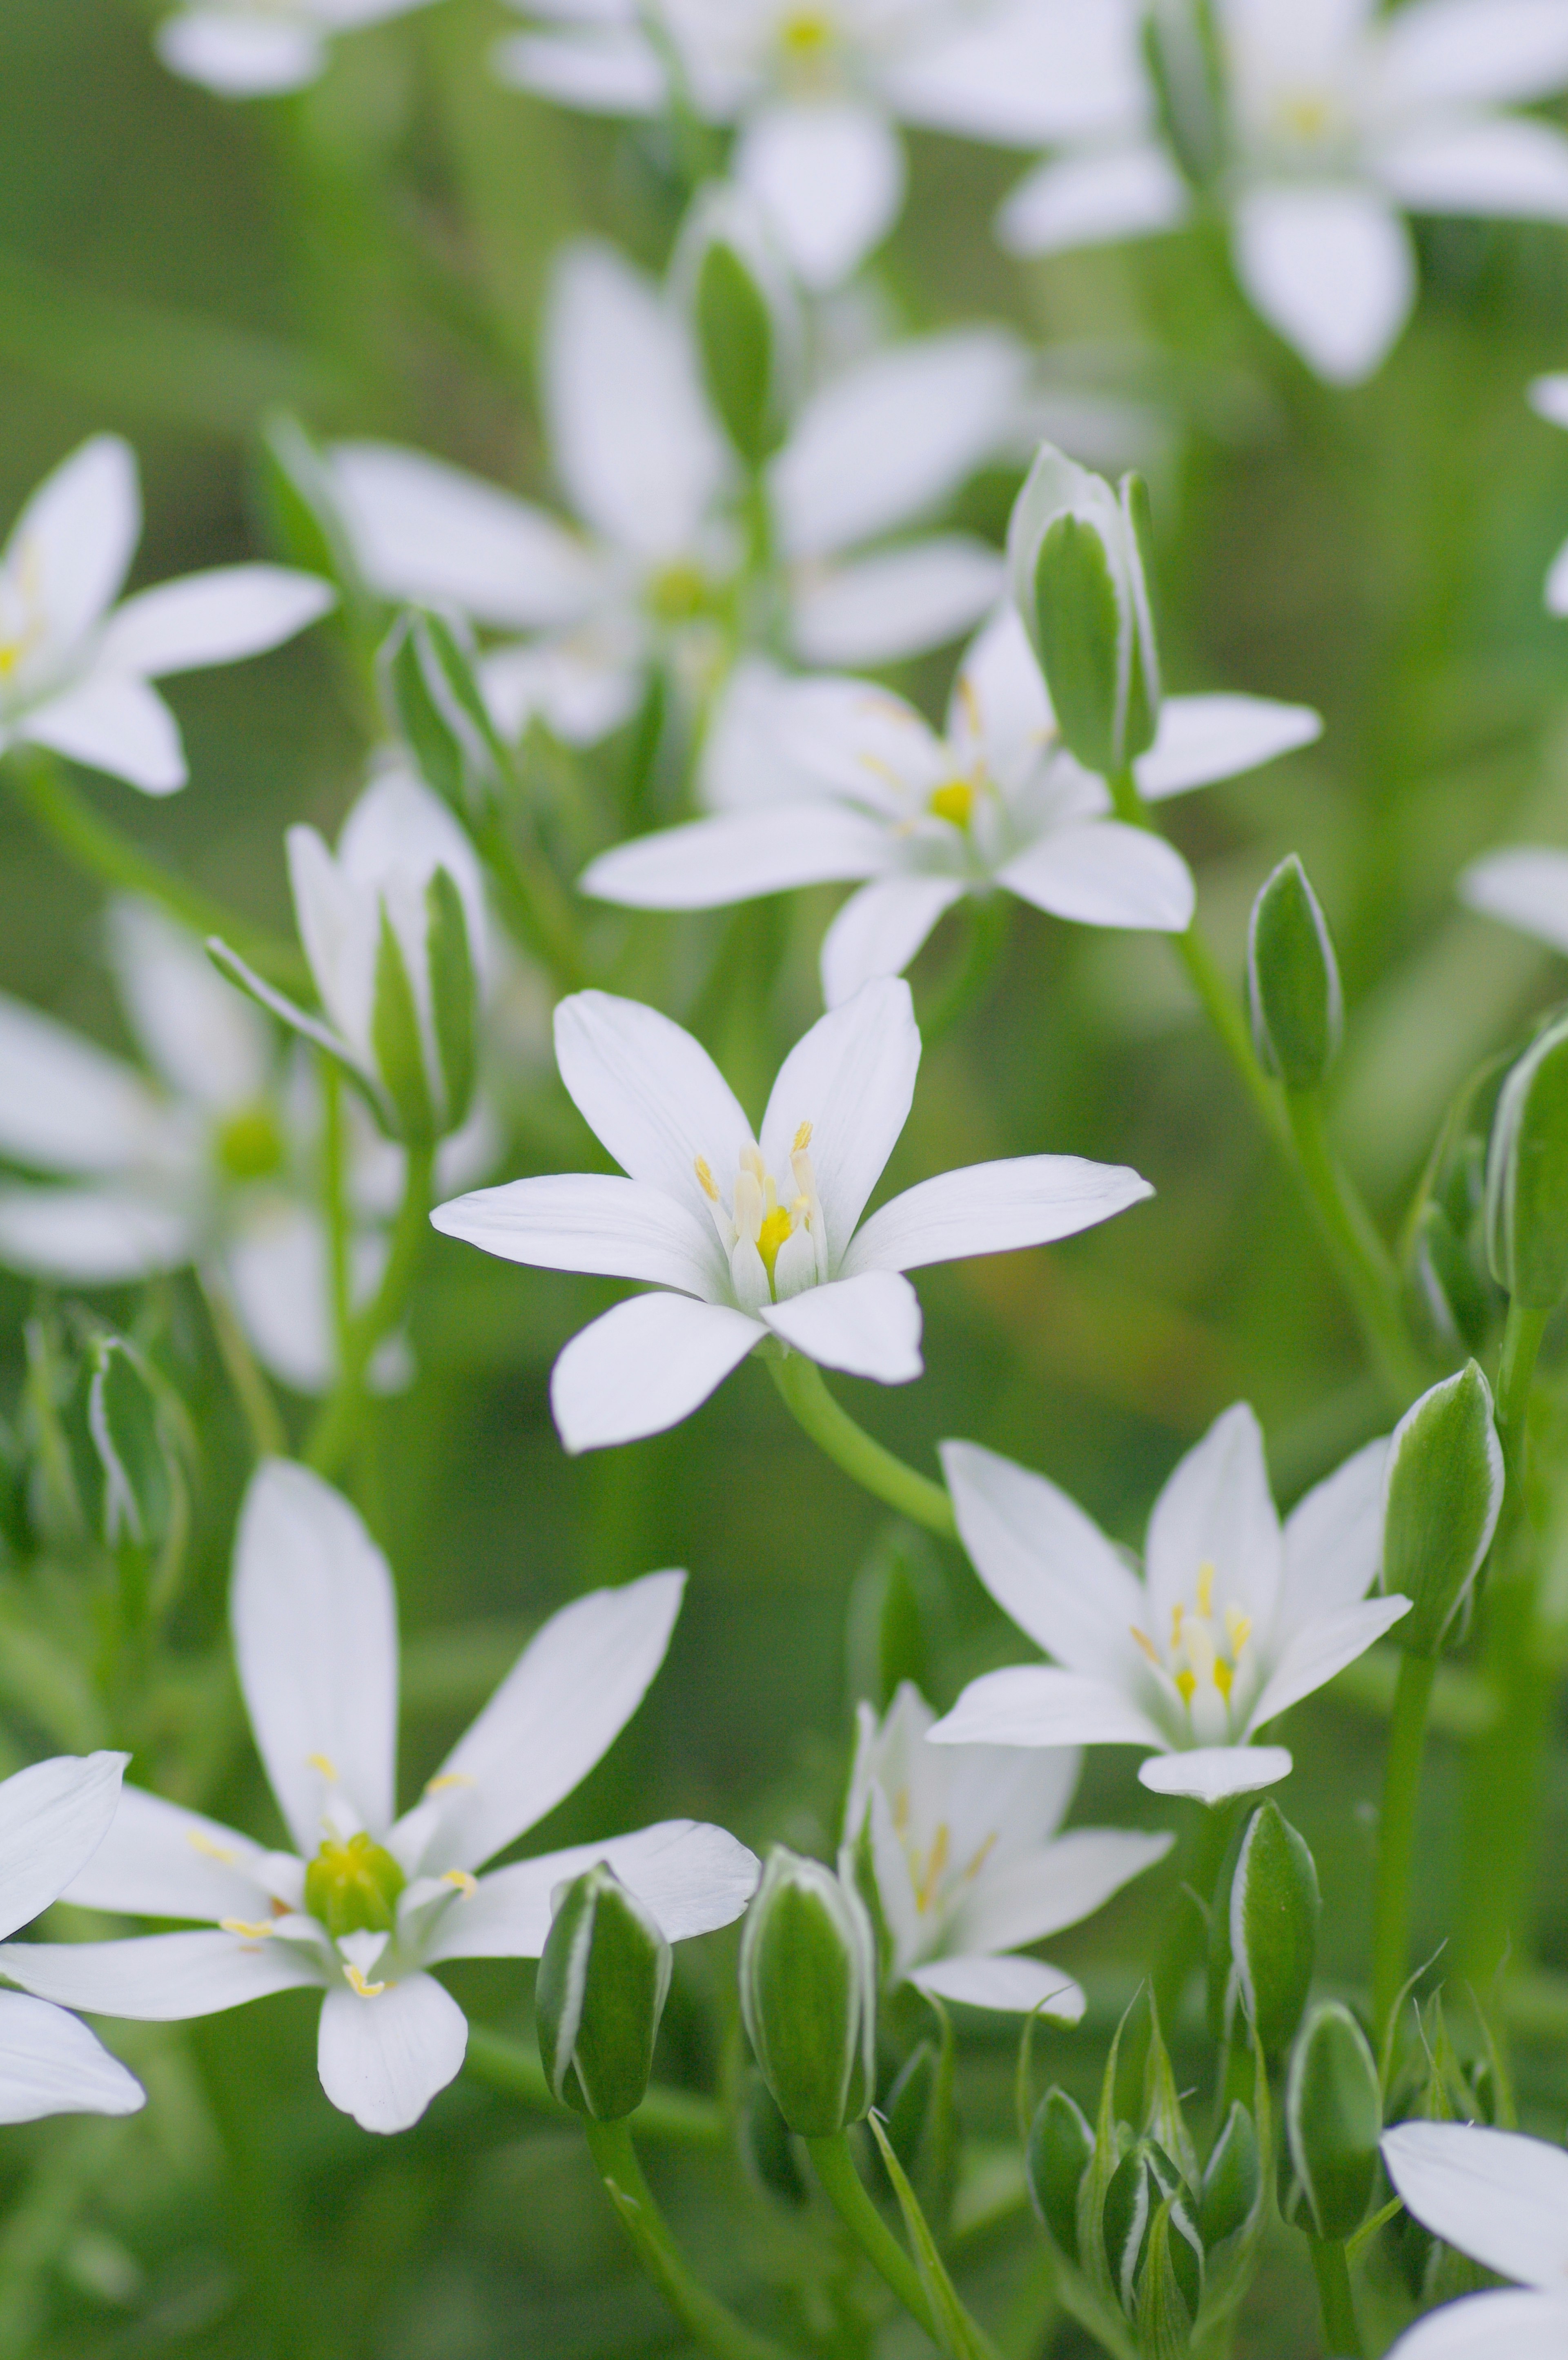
(369,1902)
(1503,2199)
(828,779)
(253,49)
(1232,1622)
(968,1863)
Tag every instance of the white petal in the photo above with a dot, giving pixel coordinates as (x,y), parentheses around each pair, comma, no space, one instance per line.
(51,2064)
(1024,75)
(869,1326)
(1498,2197)
(340,930)
(1217,1509)
(986,1208)
(1202,738)
(999,709)
(1525,886)
(1046,1563)
(562,1704)
(851,1078)
(1471,50)
(1103,873)
(240,57)
(1069,1879)
(1330,269)
(829,176)
(73,542)
(1549,397)
(316,1639)
(1511,166)
(879,930)
(651,1093)
(591,1221)
(1556,590)
(903,601)
(1334,1539)
(1212,1773)
(212,619)
(205,1039)
(382,2059)
(1093,199)
(888,441)
(53,1817)
(691,1876)
(88,1236)
(1019,1986)
(119,725)
(630,432)
(278,1272)
(397,834)
(1321,1648)
(1481,2326)
(600,74)
(161,1861)
(157,1978)
(1035,1704)
(643,1367)
(426,532)
(67,1105)
(738,856)
(578,687)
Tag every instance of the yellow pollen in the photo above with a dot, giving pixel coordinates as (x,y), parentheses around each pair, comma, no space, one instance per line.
(1148,1645)
(242,1925)
(205,1844)
(1177,1612)
(935,1864)
(449,1778)
(1206,1587)
(325,1764)
(954,802)
(705,1180)
(802,1140)
(1186,1682)
(467,1886)
(1224,1678)
(776,1226)
(1238,1628)
(358,1983)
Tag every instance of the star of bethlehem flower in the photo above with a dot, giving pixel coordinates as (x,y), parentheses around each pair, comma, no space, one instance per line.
(1503,2199)
(1549,399)
(254,48)
(958,1854)
(368,1901)
(1231,1620)
(75,670)
(1330,120)
(816,780)
(652,570)
(754,1238)
(817,91)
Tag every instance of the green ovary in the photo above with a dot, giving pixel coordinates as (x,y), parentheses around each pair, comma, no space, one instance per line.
(352,1887)
(249,1143)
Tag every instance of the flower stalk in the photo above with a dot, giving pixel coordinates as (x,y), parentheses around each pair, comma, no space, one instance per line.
(842,2184)
(332,1435)
(1397,1837)
(1331,2266)
(806,1396)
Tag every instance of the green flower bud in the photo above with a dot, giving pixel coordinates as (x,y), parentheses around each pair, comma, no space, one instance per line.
(745,317)
(142,1486)
(1061,2144)
(1293,988)
(427,1074)
(1182,50)
(1233,2180)
(604,1975)
(1442,1492)
(397,1042)
(1263,1931)
(434,704)
(1145,2182)
(1333,2118)
(808,1993)
(1077,573)
(1526,1176)
(1450,1293)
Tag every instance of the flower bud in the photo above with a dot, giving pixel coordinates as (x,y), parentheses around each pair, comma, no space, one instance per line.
(1181,51)
(1077,576)
(434,704)
(604,1974)
(744,316)
(142,1489)
(1145,2181)
(1233,2180)
(1333,2118)
(1293,988)
(1061,2144)
(1526,1176)
(808,1993)
(1442,1492)
(1263,1931)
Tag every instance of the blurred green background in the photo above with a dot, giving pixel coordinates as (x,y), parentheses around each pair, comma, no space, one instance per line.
(373,253)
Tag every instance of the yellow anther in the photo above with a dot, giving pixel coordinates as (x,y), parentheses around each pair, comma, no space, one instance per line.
(705,1180)
(243,1925)
(467,1886)
(1206,1587)
(1186,1682)
(10,656)
(954,802)
(1238,1628)
(448,1778)
(325,1764)
(776,1226)
(982,1856)
(1177,1612)
(935,1864)
(802,1140)
(1224,1678)
(1148,1645)
(969,698)
(358,1983)
(901,1810)
(207,1848)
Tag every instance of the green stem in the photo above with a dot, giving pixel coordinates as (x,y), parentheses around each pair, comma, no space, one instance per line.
(1516,1373)
(264,1423)
(700,2313)
(1187,1934)
(1341,2336)
(678,2117)
(332,1434)
(841,2183)
(1397,1837)
(1365,1268)
(538,909)
(989,922)
(335,1190)
(833,1430)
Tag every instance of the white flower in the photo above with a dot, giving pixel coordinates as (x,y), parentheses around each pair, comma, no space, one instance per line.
(816,89)
(752,1241)
(1504,2201)
(1525,885)
(253,49)
(1549,398)
(656,571)
(53,1817)
(829,779)
(967,1862)
(1337,119)
(76,676)
(1232,1623)
(369,1902)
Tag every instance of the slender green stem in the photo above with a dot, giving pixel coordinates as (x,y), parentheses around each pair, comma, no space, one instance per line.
(1365,1267)
(834,1431)
(1341,2336)
(1186,1932)
(990,921)
(703,2316)
(264,1422)
(842,2184)
(332,1435)
(1397,1837)
(334,1190)
(537,907)
(678,2117)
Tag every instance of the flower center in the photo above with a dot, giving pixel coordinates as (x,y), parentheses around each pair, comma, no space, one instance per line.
(758,1223)
(953,802)
(249,1143)
(22,624)
(929,1867)
(677,593)
(1307,116)
(806,34)
(1204,1654)
(352,1886)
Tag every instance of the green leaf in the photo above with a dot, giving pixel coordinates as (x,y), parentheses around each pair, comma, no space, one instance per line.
(396,1041)
(956,2332)
(454,996)
(310,1028)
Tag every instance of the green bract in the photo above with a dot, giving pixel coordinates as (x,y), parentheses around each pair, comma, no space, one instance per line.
(1293,987)
(1264,1931)
(604,1974)
(1333,2117)
(808,1993)
(1526,1176)
(1442,1495)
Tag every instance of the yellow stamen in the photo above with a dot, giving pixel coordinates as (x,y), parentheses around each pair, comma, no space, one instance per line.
(467,1886)
(934,1867)
(1186,1682)
(705,1180)
(205,1844)
(970,700)
(802,1140)
(1224,1678)
(1238,1628)
(1206,1587)
(982,1856)
(1177,1612)
(449,1778)
(358,1983)
(776,1226)
(1148,1645)
(901,1810)
(242,1925)
(10,656)
(954,802)
(325,1764)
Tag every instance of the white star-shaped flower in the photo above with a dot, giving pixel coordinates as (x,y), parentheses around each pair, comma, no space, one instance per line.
(254,48)
(1503,2199)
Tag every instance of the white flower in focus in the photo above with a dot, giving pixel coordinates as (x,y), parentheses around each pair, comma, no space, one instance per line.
(815,89)
(651,571)
(1549,399)
(1336,120)
(76,676)
(821,779)
(1503,2199)
(254,48)
(369,1902)
(1525,885)
(754,1240)
(964,1852)
(1232,1622)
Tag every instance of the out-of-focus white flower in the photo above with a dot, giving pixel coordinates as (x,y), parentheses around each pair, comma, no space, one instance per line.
(1549,398)
(817,91)
(963,1850)
(1503,2199)
(1332,121)
(1233,1621)
(78,677)
(655,568)
(821,779)
(369,1901)
(750,1242)
(1525,885)
(254,48)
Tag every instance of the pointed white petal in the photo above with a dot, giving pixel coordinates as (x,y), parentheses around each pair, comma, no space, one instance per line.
(879,930)
(67,1105)
(1320,1648)
(1202,738)
(591,1221)
(1438,53)
(869,1326)
(852,1079)
(1025,74)
(91,1236)
(1046,1563)
(562,1704)
(119,725)
(73,542)
(829,176)
(1549,399)
(1093,199)
(600,73)
(1046,1890)
(1217,1509)
(383,2059)
(157,1978)
(204,1038)
(51,2064)
(1498,2197)
(426,532)
(902,602)
(999,709)
(1212,1773)
(1525,2326)
(53,1817)
(738,856)
(1330,269)
(316,1639)
(1525,886)
(1035,1704)
(1103,873)
(1334,1539)
(278,1272)
(651,1093)
(693,1878)
(1512,166)
(1019,1986)
(240,56)
(340,930)
(159,1861)
(212,619)
(986,1208)
(396,838)
(643,1367)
